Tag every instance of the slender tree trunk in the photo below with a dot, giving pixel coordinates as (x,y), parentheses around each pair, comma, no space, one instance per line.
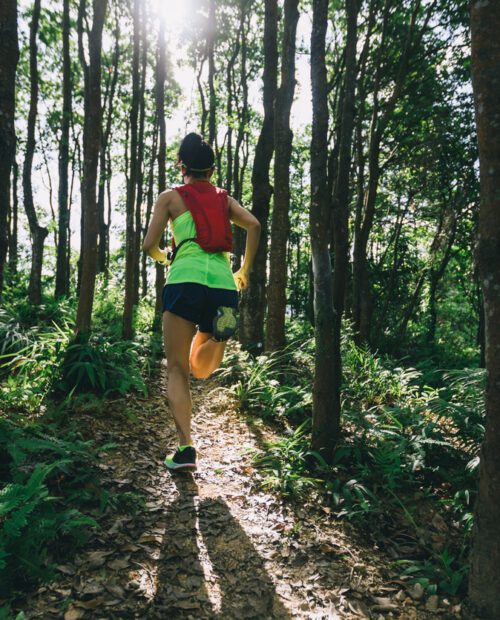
(396,262)
(212,106)
(14,221)
(325,415)
(62,274)
(443,239)
(283,136)
(362,301)
(103,250)
(480,327)
(149,204)
(139,233)
(253,299)
(9,54)
(162,153)
(38,233)
(132,184)
(435,276)
(484,580)
(329,293)
(204,111)
(91,144)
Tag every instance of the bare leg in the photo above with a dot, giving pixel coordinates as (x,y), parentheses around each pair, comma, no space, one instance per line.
(206,355)
(178,335)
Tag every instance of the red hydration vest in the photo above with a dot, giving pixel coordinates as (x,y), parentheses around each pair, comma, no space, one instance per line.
(209,209)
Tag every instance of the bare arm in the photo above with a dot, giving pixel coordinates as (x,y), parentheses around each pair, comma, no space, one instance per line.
(243,218)
(157,225)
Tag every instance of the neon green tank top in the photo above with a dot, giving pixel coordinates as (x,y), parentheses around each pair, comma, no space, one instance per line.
(193,264)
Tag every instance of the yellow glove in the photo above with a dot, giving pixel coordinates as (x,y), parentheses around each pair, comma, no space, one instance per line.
(241,278)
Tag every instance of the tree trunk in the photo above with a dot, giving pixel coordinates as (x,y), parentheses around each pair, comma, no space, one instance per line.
(149,205)
(325,415)
(362,301)
(435,276)
(38,233)
(443,239)
(162,153)
(62,274)
(9,54)
(139,233)
(484,580)
(103,159)
(253,299)
(14,221)
(132,185)
(91,144)
(283,136)
(329,293)
(212,105)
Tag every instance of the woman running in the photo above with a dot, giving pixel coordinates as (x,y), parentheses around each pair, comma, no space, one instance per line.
(200,289)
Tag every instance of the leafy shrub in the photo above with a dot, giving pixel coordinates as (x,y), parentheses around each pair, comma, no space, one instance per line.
(274,385)
(403,443)
(30,370)
(287,462)
(44,501)
(101,367)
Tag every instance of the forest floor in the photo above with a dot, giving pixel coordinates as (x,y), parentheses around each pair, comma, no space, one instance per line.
(212,544)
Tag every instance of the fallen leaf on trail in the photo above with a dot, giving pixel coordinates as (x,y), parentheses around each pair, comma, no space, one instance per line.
(187,605)
(416,592)
(115,589)
(326,548)
(151,538)
(130,547)
(359,608)
(92,604)
(112,602)
(92,587)
(432,603)
(67,570)
(73,614)
(119,564)
(97,558)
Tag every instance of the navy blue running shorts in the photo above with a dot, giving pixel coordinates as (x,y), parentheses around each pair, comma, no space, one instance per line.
(197,303)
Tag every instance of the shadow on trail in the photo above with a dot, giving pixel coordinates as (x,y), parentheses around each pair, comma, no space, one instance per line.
(208,567)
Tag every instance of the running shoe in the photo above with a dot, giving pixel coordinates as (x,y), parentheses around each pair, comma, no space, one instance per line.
(225,323)
(183,458)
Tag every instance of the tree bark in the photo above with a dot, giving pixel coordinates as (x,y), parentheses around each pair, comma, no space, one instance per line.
(362,302)
(62,274)
(130,231)
(162,153)
(283,136)
(9,55)
(253,299)
(91,144)
(103,159)
(14,222)
(139,233)
(242,113)
(38,233)
(212,104)
(484,579)
(326,421)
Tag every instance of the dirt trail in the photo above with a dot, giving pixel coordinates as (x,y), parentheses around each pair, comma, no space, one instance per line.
(210,545)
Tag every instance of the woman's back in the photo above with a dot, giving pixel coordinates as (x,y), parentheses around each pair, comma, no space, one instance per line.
(192,263)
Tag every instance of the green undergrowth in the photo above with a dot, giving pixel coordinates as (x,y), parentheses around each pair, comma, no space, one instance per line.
(408,452)
(51,492)
(40,358)
(50,499)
